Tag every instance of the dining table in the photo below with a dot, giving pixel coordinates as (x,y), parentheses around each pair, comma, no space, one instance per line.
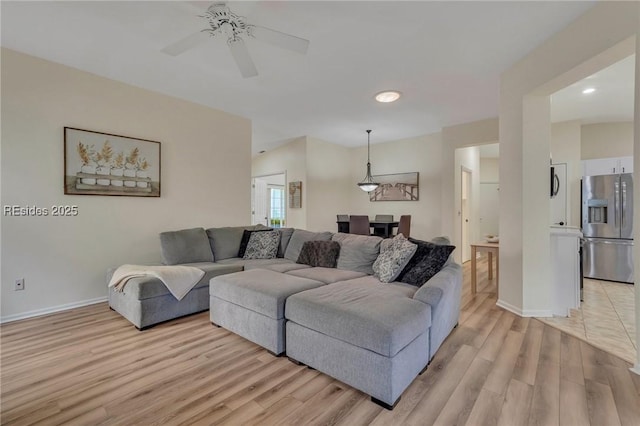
(383,229)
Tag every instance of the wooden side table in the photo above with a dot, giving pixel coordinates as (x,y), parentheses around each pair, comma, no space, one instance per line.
(491,249)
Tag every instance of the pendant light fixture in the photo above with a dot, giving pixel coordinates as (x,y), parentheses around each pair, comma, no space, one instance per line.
(368,184)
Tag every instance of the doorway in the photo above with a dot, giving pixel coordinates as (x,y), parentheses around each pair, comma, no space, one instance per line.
(268,200)
(465,212)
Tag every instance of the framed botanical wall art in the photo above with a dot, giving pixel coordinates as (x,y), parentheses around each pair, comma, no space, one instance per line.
(396,187)
(97,163)
(295,195)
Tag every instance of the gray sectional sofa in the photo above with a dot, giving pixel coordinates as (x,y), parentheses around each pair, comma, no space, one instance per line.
(374,336)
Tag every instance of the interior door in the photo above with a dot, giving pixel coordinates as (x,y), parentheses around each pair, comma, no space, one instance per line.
(465,213)
(260,202)
(489,208)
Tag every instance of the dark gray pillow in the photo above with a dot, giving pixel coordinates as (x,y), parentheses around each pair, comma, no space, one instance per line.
(320,253)
(185,246)
(262,245)
(299,237)
(245,239)
(427,261)
(285,237)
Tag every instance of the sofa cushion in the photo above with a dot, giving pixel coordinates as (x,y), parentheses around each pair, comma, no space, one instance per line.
(225,242)
(299,237)
(254,263)
(394,255)
(149,287)
(263,245)
(326,275)
(357,252)
(283,267)
(260,290)
(244,241)
(185,246)
(285,237)
(375,317)
(320,253)
(425,263)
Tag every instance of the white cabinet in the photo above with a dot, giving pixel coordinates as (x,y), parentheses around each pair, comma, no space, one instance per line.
(607,166)
(626,165)
(565,269)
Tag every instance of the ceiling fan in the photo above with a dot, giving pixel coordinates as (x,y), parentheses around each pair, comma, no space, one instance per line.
(224,23)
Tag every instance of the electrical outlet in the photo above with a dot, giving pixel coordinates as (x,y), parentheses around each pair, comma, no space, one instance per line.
(19,284)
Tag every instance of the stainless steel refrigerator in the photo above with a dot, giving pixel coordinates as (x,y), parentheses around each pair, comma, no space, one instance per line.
(607,225)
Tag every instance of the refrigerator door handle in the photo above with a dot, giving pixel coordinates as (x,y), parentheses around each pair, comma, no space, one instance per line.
(624,203)
(616,202)
(615,242)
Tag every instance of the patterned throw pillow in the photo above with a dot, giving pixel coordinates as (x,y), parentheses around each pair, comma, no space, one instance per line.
(394,256)
(262,245)
(320,253)
(246,234)
(428,261)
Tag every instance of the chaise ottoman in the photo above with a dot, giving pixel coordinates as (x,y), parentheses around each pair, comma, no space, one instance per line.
(367,334)
(252,303)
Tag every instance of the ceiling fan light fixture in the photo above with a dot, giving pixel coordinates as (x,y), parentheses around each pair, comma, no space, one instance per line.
(388,96)
(368,184)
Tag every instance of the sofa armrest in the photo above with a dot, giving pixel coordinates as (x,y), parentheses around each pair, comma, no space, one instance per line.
(443,293)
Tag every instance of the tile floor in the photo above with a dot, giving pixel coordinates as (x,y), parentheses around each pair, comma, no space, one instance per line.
(606,318)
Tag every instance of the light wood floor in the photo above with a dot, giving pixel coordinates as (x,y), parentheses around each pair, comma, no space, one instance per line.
(89,366)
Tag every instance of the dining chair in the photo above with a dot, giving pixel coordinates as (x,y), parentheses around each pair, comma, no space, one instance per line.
(380,231)
(404,227)
(359,225)
(343,223)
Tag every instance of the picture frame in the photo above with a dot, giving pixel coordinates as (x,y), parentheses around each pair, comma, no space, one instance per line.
(295,194)
(396,187)
(98,163)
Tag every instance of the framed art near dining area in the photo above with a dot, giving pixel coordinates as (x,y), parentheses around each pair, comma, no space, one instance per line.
(396,187)
(97,163)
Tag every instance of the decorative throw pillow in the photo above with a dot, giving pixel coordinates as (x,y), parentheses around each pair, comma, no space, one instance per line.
(262,245)
(427,261)
(246,234)
(320,253)
(185,246)
(394,256)
(298,238)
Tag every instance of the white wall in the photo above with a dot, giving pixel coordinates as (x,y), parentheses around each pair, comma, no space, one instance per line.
(598,38)
(289,158)
(328,177)
(566,148)
(421,154)
(489,170)
(64,260)
(603,140)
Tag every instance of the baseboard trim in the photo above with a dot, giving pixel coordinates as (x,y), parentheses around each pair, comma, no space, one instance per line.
(509,307)
(542,313)
(636,369)
(52,310)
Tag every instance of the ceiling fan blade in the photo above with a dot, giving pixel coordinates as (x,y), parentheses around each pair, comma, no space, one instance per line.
(242,58)
(283,40)
(186,43)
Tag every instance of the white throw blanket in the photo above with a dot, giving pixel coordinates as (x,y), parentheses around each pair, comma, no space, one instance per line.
(179,279)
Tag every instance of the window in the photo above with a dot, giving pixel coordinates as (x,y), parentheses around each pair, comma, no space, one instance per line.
(276,207)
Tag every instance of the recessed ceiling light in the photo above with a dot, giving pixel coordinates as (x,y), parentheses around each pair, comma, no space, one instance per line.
(388,96)
(588,90)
